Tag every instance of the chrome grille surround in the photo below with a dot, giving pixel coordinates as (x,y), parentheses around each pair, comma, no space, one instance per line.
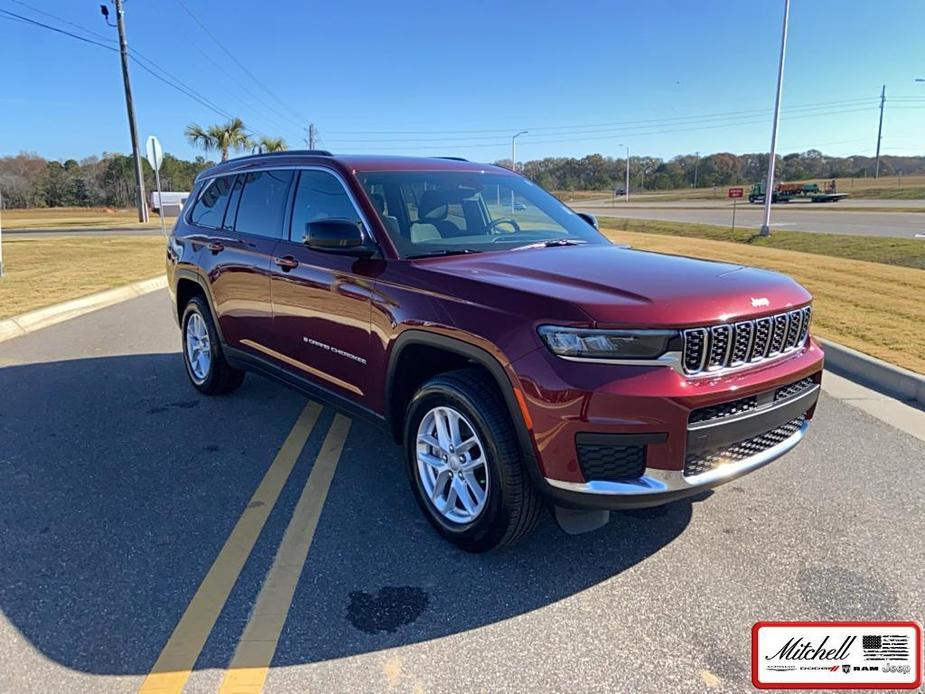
(719,347)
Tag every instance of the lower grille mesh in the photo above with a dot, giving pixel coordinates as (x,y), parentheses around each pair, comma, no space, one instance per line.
(704,461)
(611,463)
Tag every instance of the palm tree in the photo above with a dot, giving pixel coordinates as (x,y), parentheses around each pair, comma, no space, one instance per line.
(231,135)
(271,144)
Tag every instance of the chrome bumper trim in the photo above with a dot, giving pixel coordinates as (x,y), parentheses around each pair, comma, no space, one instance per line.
(656,482)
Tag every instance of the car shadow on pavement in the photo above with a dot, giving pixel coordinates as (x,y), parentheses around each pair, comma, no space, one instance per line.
(120,484)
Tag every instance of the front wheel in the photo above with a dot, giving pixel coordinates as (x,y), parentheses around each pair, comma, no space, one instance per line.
(464,463)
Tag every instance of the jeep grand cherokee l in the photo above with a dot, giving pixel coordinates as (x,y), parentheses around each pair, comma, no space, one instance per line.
(516,354)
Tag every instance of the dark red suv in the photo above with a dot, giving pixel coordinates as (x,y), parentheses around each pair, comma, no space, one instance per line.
(516,354)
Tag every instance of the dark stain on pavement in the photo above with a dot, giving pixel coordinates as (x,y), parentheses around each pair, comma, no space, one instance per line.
(387,610)
(182,404)
(836,592)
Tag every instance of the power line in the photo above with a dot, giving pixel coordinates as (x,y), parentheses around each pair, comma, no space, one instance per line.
(136,54)
(238,62)
(137,57)
(505,132)
(627,133)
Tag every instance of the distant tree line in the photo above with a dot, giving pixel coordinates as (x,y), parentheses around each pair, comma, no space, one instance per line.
(28,180)
(597,172)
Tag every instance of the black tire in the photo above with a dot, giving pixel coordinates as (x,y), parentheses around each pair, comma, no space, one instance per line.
(221,377)
(513,505)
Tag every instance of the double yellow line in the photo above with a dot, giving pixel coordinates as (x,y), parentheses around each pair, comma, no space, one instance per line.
(251,661)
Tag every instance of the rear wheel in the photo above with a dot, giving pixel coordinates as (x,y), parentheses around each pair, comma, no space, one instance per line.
(202,352)
(465,465)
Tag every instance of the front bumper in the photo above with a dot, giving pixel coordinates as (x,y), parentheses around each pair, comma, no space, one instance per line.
(685,436)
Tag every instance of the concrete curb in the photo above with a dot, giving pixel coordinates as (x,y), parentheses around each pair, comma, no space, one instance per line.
(891,380)
(26,323)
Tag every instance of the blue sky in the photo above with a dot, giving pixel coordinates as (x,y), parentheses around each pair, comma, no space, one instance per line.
(424,77)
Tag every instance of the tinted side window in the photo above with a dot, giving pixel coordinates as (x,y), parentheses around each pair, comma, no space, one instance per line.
(262,208)
(319,195)
(210,208)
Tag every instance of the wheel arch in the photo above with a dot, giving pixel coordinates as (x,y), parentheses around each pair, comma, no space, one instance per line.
(187,284)
(460,353)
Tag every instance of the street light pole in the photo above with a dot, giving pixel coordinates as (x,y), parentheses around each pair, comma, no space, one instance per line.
(514,162)
(626,184)
(130,106)
(769,188)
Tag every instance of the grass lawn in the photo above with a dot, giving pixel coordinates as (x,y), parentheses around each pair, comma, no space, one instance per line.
(47,271)
(875,249)
(78,218)
(875,308)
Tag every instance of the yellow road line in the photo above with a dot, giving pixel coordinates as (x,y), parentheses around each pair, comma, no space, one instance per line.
(252,657)
(176,661)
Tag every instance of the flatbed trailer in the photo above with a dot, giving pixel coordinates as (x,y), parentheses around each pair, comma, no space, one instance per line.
(785,192)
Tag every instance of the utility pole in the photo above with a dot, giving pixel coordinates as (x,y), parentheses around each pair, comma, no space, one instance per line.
(696,167)
(626,184)
(772,160)
(514,162)
(130,106)
(880,131)
(312,136)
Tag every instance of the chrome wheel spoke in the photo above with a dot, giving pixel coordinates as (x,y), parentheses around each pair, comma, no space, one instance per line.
(433,461)
(451,465)
(465,496)
(474,487)
(198,348)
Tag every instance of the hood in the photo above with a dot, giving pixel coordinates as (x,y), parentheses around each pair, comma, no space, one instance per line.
(621,286)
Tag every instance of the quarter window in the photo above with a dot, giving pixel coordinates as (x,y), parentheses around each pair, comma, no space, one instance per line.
(210,208)
(318,196)
(262,207)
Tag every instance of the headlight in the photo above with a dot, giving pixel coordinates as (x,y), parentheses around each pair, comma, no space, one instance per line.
(589,343)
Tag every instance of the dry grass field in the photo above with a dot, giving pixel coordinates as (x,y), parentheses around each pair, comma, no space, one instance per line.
(47,271)
(77,218)
(883,188)
(873,307)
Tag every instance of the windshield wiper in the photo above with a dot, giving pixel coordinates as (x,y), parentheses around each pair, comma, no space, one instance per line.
(549,243)
(444,251)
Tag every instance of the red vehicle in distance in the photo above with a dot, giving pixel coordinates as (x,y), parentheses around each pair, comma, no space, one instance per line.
(520,358)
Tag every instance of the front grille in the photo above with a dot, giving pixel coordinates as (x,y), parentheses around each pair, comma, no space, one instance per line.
(611,463)
(724,409)
(747,342)
(704,461)
(792,389)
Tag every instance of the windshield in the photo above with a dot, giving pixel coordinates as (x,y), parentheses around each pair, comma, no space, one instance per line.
(443,212)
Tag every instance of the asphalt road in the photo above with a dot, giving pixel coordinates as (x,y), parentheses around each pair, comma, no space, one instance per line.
(839,218)
(120,486)
(46,233)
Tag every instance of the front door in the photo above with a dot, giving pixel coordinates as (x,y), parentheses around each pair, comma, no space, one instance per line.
(321,301)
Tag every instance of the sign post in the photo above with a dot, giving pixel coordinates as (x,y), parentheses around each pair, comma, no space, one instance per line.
(735,194)
(1,233)
(155,156)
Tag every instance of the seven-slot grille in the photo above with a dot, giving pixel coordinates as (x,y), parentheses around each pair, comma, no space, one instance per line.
(751,341)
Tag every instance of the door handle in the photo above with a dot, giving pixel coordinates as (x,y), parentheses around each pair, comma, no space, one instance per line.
(286,262)
(215,246)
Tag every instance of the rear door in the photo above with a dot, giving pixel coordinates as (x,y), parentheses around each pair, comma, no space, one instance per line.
(239,253)
(321,301)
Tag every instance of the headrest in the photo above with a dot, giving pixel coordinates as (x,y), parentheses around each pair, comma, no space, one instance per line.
(378,202)
(433,205)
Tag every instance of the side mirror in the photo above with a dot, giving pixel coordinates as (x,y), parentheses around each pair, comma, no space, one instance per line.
(341,236)
(590,219)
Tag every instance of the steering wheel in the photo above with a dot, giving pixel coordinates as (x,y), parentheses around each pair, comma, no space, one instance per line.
(491,227)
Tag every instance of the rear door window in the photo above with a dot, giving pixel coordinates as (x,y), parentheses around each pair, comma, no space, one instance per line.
(262,208)
(210,207)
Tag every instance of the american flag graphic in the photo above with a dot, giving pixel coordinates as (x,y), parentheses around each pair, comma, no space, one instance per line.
(885,647)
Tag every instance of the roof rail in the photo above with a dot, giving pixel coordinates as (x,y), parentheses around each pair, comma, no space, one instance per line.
(452,158)
(287,152)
